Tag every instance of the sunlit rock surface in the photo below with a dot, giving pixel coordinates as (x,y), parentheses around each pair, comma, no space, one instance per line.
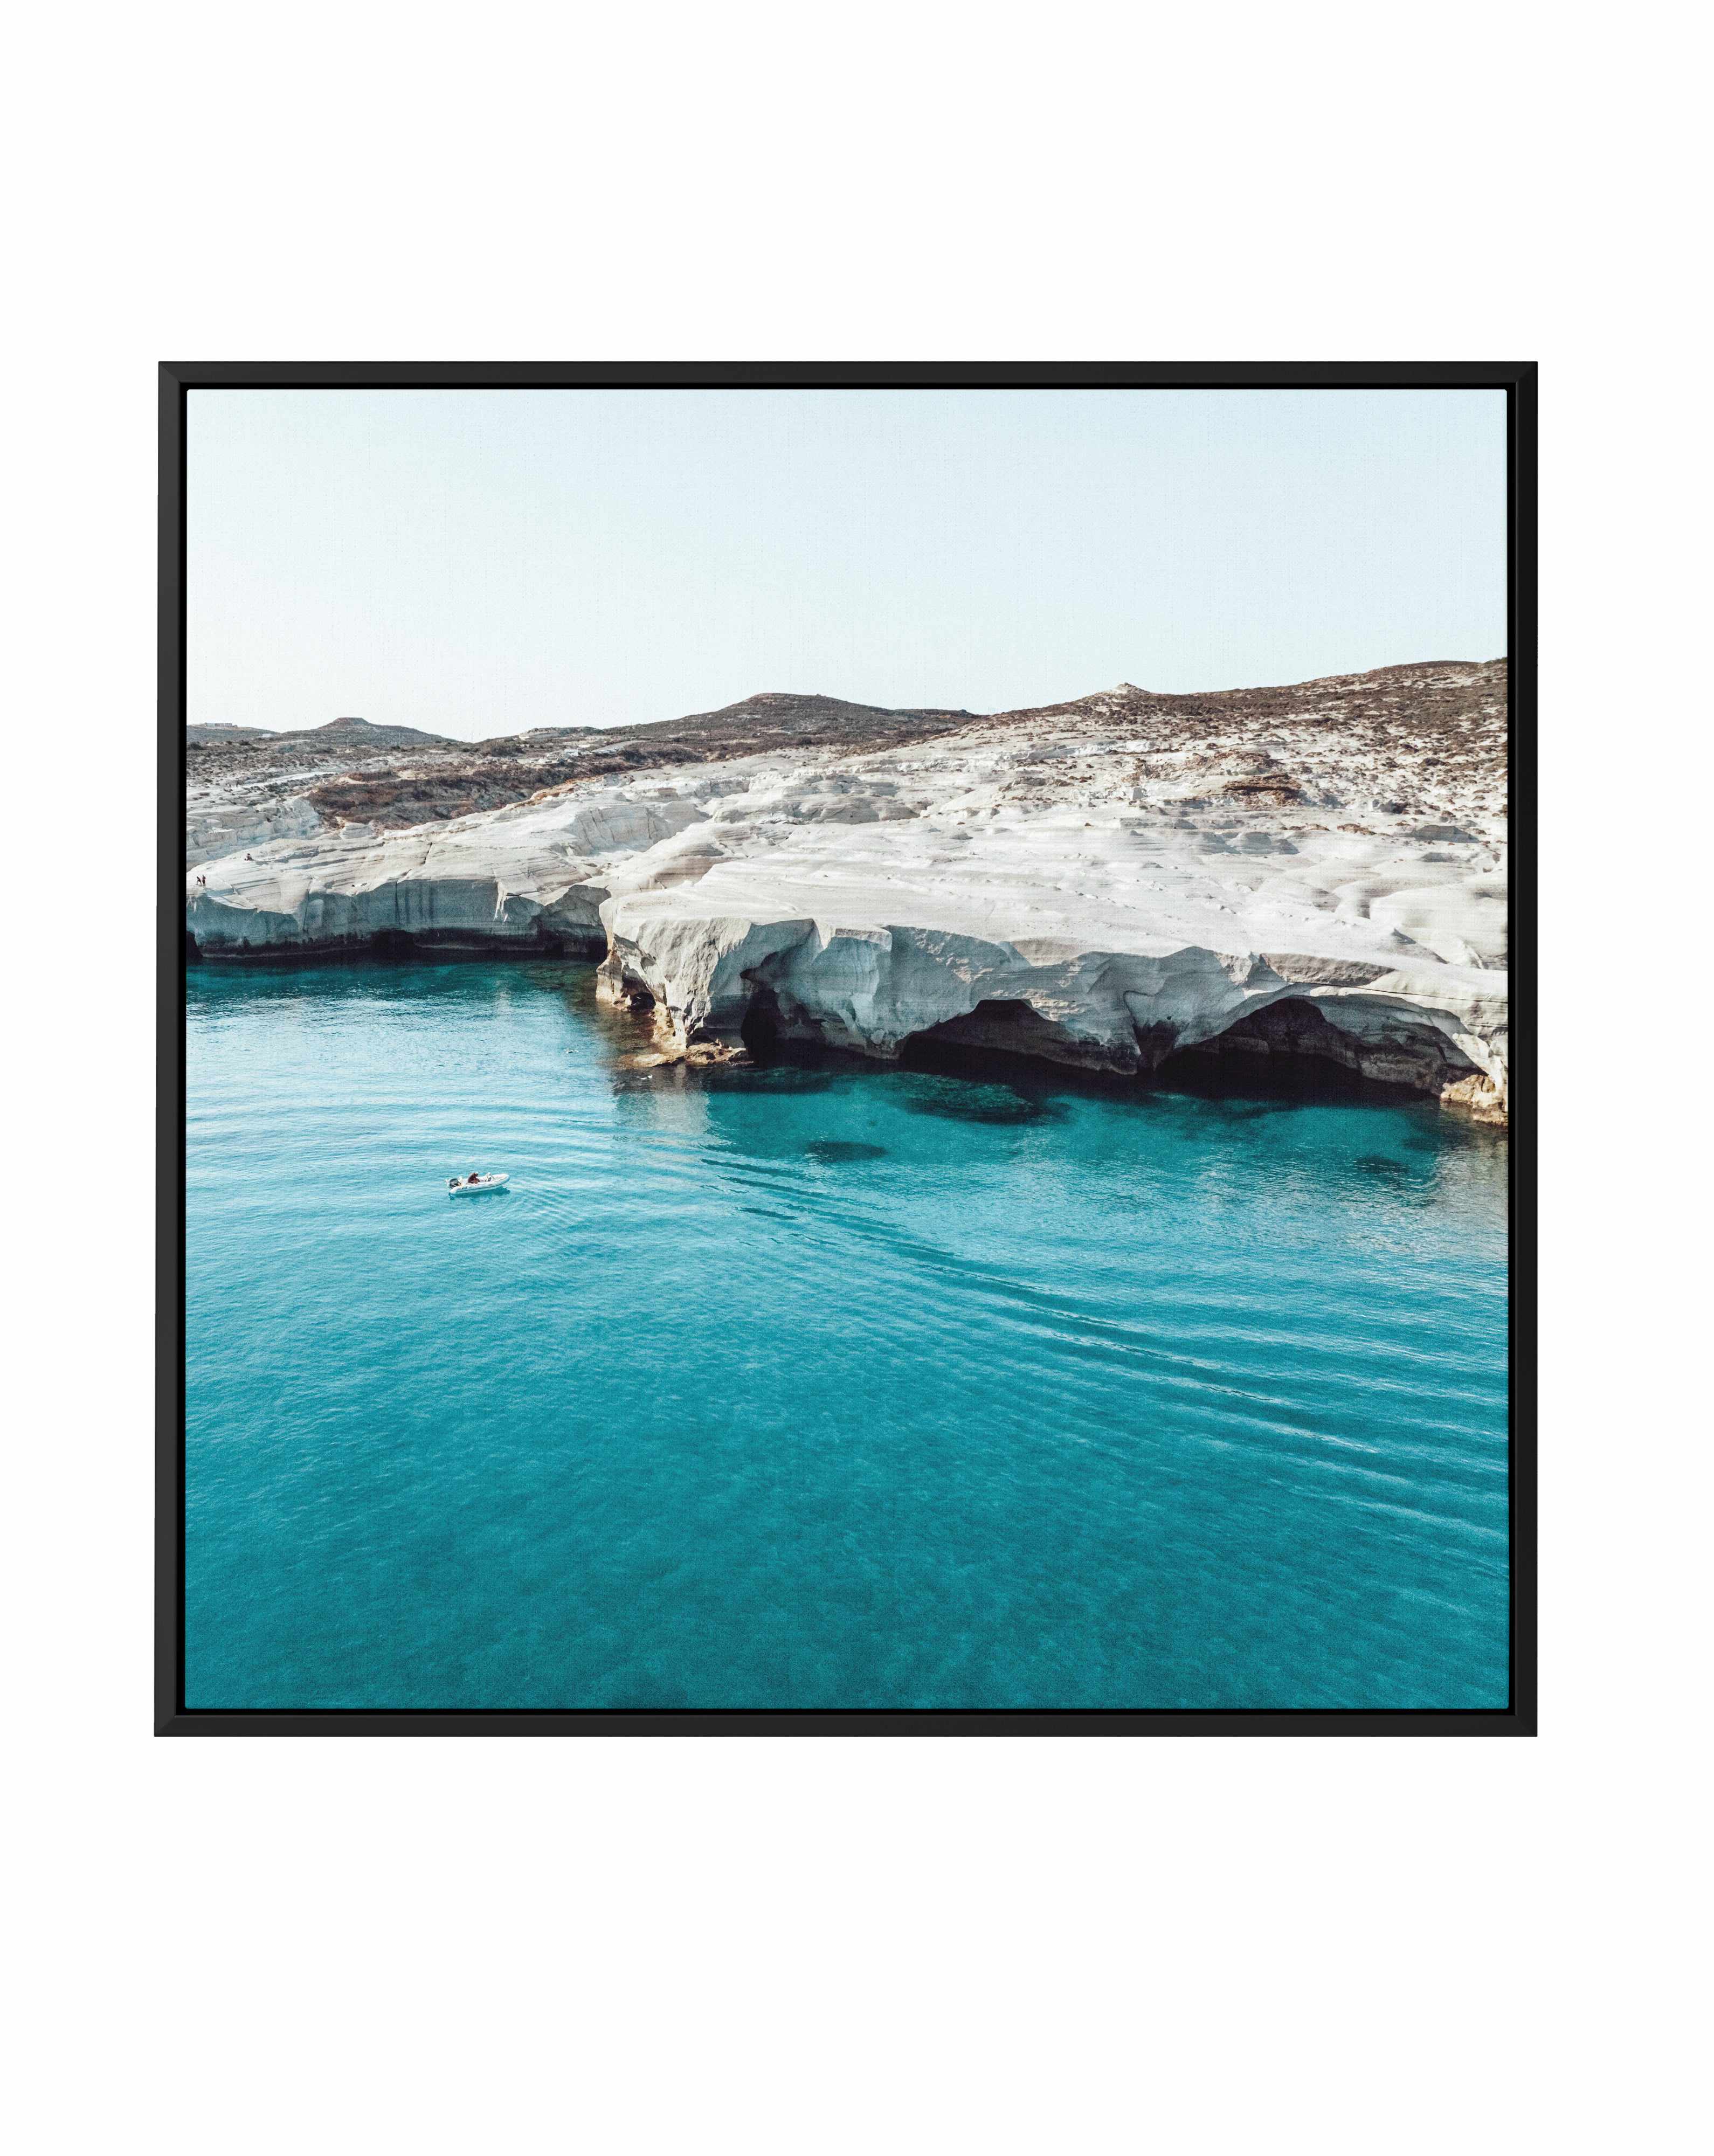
(1315,872)
(530,875)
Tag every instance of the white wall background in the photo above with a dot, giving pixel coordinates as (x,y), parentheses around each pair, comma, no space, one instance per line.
(835,1945)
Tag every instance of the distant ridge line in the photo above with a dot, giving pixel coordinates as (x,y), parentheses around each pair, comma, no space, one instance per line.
(785,717)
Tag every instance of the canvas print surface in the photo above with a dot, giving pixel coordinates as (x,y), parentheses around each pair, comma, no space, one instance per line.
(846,1049)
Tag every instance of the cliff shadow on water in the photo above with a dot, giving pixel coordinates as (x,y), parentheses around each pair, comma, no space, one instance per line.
(1250,1070)
(394,947)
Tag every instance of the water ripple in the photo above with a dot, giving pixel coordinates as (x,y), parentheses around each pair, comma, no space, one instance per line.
(863,1390)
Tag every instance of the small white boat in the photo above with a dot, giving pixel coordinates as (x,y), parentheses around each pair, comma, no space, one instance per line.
(473,1186)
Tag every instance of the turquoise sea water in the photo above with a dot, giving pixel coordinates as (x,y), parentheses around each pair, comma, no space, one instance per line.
(852,1387)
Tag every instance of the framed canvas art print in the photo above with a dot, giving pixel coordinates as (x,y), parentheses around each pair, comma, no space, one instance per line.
(838,1048)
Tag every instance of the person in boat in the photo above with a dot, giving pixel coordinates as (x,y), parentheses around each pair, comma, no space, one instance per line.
(473,1176)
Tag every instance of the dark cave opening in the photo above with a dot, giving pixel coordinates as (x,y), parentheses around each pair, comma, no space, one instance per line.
(760,1032)
(1011,1030)
(1289,1051)
(1286,1051)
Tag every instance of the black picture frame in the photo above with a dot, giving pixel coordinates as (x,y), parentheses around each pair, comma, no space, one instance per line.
(1517,379)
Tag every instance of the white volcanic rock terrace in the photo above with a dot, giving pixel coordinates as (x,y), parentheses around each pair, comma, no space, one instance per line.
(1140,886)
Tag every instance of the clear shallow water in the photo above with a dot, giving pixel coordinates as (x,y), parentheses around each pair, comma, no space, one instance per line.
(861,1389)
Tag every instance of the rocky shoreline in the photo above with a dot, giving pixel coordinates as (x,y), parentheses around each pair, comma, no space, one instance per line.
(1311,875)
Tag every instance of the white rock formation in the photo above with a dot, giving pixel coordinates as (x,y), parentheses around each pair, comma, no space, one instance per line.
(1101,884)
(215,827)
(522,874)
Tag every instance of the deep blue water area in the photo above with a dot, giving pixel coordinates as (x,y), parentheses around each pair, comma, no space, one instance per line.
(833,1388)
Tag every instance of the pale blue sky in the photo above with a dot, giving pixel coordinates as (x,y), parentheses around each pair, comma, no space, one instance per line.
(478,562)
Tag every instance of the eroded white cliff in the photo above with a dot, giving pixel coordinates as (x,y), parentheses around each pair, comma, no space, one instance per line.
(1104,884)
(524,875)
